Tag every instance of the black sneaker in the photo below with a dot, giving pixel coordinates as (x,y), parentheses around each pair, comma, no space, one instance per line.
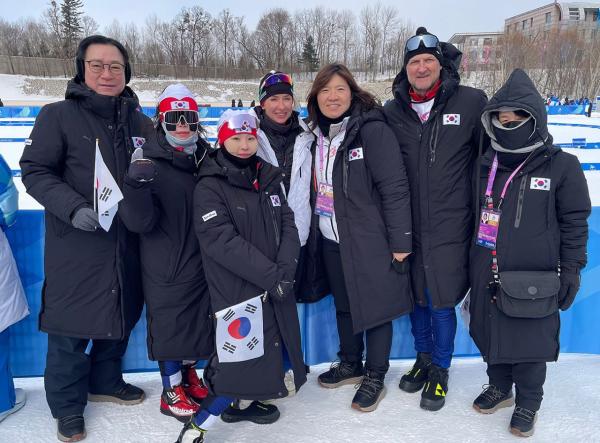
(370,392)
(415,379)
(492,399)
(258,412)
(71,428)
(522,422)
(191,434)
(433,395)
(126,395)
(342,373)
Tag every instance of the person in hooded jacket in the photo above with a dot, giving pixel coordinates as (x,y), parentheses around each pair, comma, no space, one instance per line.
(92,289)
(527,252)
(249,244)
(436,121)
(158,191)
(13,304)
(362,217)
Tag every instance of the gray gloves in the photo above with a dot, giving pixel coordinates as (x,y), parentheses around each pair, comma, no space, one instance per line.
(85,219)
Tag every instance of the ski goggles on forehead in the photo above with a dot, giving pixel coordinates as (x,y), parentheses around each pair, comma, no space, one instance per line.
(172,118)
(241,123)
(273,79)
(427,40)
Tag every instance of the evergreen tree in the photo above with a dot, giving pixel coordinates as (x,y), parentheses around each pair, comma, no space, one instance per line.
(71,11)
(309,55)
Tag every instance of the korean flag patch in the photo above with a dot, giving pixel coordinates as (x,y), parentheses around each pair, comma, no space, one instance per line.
(138,142)
(180,105)
(275,201)
(452,119)
(355,154)
(540,183)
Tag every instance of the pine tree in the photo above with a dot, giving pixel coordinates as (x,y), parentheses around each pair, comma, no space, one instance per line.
(309,55)
(71,11)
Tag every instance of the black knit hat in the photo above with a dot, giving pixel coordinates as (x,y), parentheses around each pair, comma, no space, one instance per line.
(424,43)
(281,84)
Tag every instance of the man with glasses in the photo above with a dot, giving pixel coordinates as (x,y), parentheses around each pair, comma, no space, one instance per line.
(91,295)
(436,121)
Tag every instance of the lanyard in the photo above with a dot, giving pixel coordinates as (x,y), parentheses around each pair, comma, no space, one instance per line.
(490,184)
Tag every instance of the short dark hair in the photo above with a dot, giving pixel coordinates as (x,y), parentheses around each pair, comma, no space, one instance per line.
(366,100)
(99,40)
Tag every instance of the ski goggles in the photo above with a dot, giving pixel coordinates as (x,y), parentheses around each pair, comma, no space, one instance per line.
(240,123)
(173,118)
(427,40)
(273,79)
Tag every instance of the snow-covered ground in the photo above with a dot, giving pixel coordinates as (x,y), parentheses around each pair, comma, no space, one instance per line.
(570,412)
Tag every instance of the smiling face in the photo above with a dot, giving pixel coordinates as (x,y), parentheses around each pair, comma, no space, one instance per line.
(105,82)
(242,145)
(278,107)
(335,98)
(423,71)
(182,131)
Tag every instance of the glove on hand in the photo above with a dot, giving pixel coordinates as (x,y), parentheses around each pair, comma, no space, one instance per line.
(282,290)
(569,285)
(142,170)
(85,219)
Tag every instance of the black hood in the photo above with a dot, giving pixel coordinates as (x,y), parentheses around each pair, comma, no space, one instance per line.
(518,93)
(103,105)
(449,75)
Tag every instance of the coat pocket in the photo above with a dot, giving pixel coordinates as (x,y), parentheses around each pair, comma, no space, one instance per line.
(528,294)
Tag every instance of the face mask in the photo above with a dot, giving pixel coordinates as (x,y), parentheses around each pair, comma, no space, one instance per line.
(516,134)
(188,144)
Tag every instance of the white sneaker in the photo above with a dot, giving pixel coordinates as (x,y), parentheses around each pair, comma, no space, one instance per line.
(20,400)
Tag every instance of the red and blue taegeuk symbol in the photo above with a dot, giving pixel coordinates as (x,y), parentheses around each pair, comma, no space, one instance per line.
(239,328)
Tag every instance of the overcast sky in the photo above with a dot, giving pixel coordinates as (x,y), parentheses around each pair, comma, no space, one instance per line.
(441,17)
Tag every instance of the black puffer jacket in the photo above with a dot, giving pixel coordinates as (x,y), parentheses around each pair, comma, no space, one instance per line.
(439,159)
(175,289)
(92,279)
(372,209)
(538,228)
(248,244)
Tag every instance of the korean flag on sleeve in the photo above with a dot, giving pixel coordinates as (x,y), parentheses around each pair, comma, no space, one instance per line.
(240,331)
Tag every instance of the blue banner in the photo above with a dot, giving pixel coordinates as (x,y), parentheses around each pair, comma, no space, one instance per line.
(567,109)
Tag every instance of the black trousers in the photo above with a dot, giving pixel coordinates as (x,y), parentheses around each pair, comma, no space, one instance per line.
(528,378)
(379,338)
(71,373)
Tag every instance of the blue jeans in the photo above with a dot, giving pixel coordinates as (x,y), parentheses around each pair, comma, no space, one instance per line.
(434,331)
(7,388)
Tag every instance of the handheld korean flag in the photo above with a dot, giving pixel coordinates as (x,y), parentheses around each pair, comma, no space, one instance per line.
(240,331)
(107,194)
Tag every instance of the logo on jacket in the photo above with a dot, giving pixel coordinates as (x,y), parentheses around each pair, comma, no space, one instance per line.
(355,154)
(275,201)
(206,217)
(540,183)
(180,105)
(452,119)
(138,142)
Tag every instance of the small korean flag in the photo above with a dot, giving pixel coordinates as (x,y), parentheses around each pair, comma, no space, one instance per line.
(240,331)
(355,154)
(275,201)
(540,183)
(180,105)
(138,142)
(451,119)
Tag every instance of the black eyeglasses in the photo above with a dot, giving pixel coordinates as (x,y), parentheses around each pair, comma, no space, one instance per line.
(96,66)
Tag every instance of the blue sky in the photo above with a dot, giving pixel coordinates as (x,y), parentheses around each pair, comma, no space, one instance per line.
(441,17)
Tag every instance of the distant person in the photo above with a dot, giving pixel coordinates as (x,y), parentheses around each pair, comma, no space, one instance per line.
(1,104)
(233,102)
(13,304)
(92,288)
(528,267)
(240,104)
(252,103)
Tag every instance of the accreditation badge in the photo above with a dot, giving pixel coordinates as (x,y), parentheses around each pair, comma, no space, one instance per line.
(324,204)
(489,223)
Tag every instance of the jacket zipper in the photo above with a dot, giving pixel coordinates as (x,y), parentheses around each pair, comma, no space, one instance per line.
(520,200)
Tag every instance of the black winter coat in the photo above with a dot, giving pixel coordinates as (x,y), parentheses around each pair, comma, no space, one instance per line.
(538,228)
(92,279)
(439,159)
(248,244)
(175,289)
(372,209)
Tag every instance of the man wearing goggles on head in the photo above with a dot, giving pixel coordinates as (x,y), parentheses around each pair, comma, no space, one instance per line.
(437,125)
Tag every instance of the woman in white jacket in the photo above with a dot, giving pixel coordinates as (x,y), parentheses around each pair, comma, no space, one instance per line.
(13,305)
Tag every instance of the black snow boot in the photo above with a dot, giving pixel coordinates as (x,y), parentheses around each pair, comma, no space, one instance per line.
(370,392)
(433,395)
(342,373)
(492,399)
(414,379)
(522,422)
(71,428)
(257,412)
(191,433)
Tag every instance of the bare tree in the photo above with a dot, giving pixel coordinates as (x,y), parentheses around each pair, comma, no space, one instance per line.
(89,26)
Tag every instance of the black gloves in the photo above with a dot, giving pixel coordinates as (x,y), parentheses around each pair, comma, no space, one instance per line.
(282,290)
(85,219)
(141,170)
(569,285)
(401,267)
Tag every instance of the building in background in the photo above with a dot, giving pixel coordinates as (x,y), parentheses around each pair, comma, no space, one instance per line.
(481,50)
